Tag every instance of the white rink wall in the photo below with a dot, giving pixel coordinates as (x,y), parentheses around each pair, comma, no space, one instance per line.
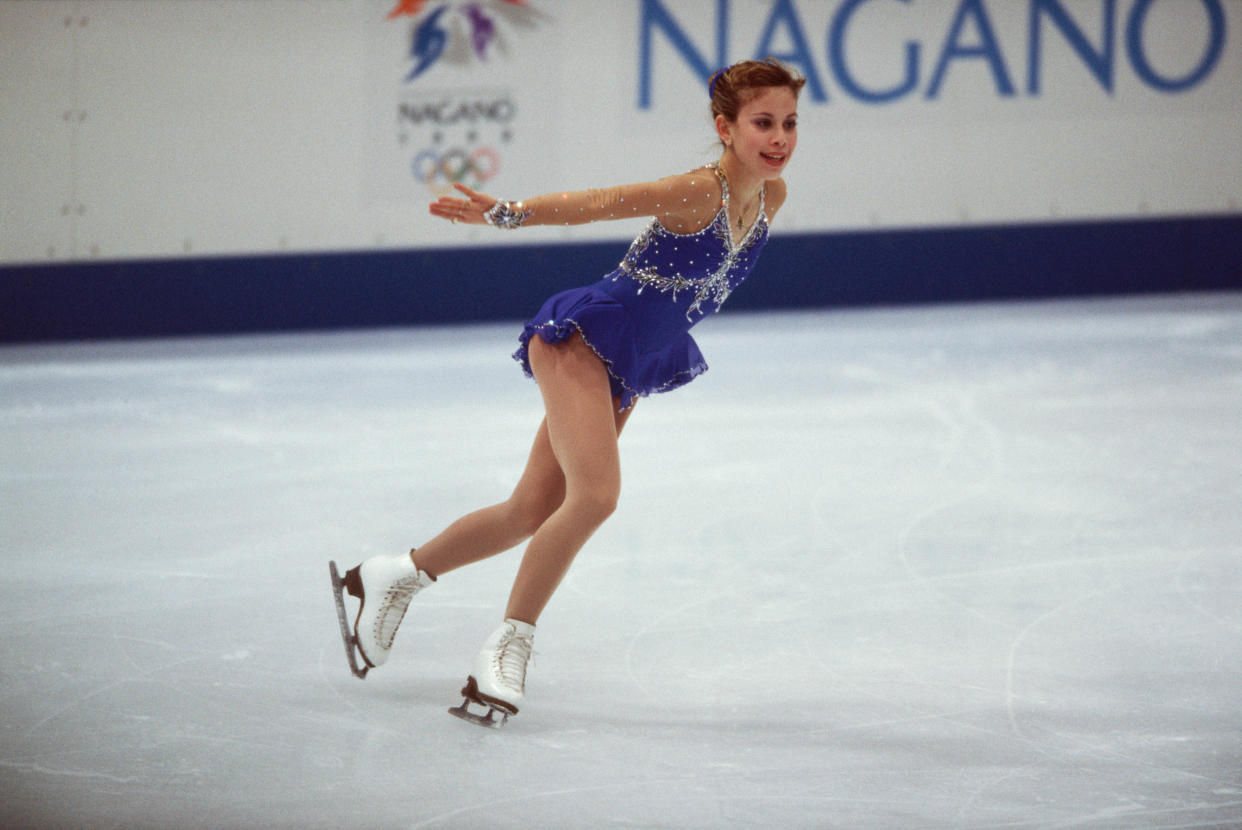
(169,129)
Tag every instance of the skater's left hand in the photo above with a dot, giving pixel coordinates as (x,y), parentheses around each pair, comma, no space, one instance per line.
(468,211)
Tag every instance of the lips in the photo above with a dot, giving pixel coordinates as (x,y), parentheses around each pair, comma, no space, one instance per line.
(774,158)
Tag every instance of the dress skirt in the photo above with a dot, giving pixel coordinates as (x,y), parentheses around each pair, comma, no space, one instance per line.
(641,360)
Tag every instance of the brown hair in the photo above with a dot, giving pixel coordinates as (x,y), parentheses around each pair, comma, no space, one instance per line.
(730,88)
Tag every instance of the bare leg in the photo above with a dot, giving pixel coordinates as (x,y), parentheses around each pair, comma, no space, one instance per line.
(495,529)
(502,526)
(582,426)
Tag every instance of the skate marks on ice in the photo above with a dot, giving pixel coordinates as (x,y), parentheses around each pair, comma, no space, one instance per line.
(1057,522)
(965,567)
(684,800)
(1098,584)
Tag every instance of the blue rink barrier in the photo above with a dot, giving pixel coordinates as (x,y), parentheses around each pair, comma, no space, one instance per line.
(290,292)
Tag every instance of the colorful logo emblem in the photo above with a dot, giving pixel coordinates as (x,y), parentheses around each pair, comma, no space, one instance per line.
(455,31)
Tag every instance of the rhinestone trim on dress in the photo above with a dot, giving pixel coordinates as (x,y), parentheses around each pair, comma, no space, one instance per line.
(720,282)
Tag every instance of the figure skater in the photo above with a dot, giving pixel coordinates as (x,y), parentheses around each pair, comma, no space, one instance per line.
(593,351)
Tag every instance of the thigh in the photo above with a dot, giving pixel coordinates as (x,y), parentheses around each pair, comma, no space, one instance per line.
(542,478)
(582,422)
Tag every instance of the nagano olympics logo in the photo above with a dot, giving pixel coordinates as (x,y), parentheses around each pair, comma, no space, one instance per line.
(457,135)
(458,28)
(439,170)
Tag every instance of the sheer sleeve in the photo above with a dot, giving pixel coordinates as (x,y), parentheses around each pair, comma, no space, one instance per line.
(684,203)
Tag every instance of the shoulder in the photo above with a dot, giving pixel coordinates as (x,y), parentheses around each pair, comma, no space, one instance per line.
(691,191)
(700,185)
(774,196)
(689,201)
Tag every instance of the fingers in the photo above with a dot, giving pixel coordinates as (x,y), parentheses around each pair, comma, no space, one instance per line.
(475,196)
(446,210)
(446,206)
(456,210)
(469,210)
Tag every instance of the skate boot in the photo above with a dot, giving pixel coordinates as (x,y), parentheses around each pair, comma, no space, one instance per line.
(498,682)
(384,586)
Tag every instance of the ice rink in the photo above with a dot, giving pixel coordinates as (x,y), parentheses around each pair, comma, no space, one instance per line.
(967,566)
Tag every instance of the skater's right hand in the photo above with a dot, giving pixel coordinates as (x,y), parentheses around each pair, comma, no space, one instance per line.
(468,211)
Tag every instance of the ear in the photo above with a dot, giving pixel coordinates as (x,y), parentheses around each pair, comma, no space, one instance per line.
(724,129)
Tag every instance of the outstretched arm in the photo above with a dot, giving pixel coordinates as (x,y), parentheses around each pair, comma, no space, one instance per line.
(684,202)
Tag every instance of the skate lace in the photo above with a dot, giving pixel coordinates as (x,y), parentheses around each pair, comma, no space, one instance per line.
(510,660)
(392,610)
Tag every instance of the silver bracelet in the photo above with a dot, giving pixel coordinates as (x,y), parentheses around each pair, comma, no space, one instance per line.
(506,215)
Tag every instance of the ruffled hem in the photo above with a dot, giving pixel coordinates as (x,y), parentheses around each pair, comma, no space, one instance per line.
(609,331)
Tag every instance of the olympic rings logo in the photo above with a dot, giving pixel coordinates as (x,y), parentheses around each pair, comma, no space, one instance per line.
(453,166)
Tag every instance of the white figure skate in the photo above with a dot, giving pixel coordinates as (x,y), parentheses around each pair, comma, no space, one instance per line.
(384,586)
(498,682)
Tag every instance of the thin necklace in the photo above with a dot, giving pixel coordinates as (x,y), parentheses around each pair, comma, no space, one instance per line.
(741,214)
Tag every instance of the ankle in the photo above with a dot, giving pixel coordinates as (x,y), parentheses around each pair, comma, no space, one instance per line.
(419,568)
(523,628)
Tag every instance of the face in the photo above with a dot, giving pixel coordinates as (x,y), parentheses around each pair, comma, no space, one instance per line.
(766,131)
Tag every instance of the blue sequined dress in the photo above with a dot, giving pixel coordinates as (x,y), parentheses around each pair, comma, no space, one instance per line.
(638,317)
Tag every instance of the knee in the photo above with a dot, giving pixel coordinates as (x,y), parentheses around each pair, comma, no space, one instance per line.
(596,502)
(528,511)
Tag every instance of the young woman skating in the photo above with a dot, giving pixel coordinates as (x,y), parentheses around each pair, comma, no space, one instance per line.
(594,351)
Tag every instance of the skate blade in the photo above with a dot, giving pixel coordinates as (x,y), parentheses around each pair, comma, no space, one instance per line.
(470,695)
(486,719)
(347,636)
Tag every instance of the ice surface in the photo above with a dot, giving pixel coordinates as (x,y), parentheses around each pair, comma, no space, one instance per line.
(960,567)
